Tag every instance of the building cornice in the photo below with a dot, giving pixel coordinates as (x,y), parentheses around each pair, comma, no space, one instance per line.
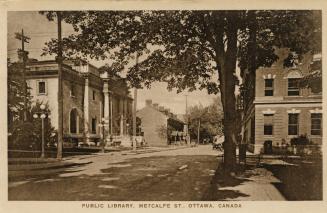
(289,105)
(300,101)
(42,74)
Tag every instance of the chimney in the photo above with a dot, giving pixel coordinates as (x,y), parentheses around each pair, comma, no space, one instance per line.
(148,102)
(161,109)
(155,105)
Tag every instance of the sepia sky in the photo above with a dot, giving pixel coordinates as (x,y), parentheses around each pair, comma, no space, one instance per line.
(40,30)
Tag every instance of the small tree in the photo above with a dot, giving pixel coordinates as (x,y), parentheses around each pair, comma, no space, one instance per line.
(27,135)
(164,131)
(15,92)
(210,120)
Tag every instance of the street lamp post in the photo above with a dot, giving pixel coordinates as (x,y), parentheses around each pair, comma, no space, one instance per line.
(42,114)
(127,128)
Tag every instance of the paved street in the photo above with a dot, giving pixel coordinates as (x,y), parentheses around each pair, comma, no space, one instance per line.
(186,173)
(181,174)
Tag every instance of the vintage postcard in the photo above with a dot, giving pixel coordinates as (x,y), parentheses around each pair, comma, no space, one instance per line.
(163,106)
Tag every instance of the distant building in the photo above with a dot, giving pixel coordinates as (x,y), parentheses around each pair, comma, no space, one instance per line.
(159,126)
(87,98)
(276,109)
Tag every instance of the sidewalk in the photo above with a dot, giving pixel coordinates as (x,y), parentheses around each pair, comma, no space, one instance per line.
(253,184)
(257,185)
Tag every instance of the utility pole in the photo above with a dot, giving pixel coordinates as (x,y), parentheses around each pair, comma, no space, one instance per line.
(199,124)
(24,39)
(186,112)
(60,93)
(134,108)
(187,121)
(134,119)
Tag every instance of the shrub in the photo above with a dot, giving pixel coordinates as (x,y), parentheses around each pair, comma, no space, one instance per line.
(301,140)
(23,136)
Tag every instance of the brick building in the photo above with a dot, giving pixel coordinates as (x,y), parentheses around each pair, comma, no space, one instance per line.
(87,98)
(277,109)
(159,126)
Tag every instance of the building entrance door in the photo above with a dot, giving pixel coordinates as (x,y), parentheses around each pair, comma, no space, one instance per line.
(267,146)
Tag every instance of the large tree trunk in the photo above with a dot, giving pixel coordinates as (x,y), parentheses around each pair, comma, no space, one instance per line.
(227,89)
(230,145)
(230,125)
(227,62)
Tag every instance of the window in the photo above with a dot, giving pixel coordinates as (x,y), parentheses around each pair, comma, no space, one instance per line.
(94,125)
(73,121)
(268,125)
(293,87)
(41,87)
(93,95)
(72,90)
(293,124)
(316,123)
(269,87)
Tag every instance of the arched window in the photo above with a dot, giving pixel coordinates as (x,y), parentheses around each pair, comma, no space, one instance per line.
(294,74)
(73,121)
(293,88)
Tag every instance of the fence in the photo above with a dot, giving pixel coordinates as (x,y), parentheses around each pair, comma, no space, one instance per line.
(260,159)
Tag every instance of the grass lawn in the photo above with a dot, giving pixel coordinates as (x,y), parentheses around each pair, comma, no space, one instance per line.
(301,181)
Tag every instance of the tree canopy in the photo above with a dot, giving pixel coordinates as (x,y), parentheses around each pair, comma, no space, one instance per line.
(187,49)
(210,118)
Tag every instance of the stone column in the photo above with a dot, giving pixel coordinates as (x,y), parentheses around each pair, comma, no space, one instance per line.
(111,113)
(106,104)
(122,124)
(125,116)
(86,111)
(106,107)
(126,111)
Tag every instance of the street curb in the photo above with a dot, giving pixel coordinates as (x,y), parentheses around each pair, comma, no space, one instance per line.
(45,166)
(157,150)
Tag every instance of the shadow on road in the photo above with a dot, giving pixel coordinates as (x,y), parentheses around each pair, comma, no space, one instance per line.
(221,180)
(153,178)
